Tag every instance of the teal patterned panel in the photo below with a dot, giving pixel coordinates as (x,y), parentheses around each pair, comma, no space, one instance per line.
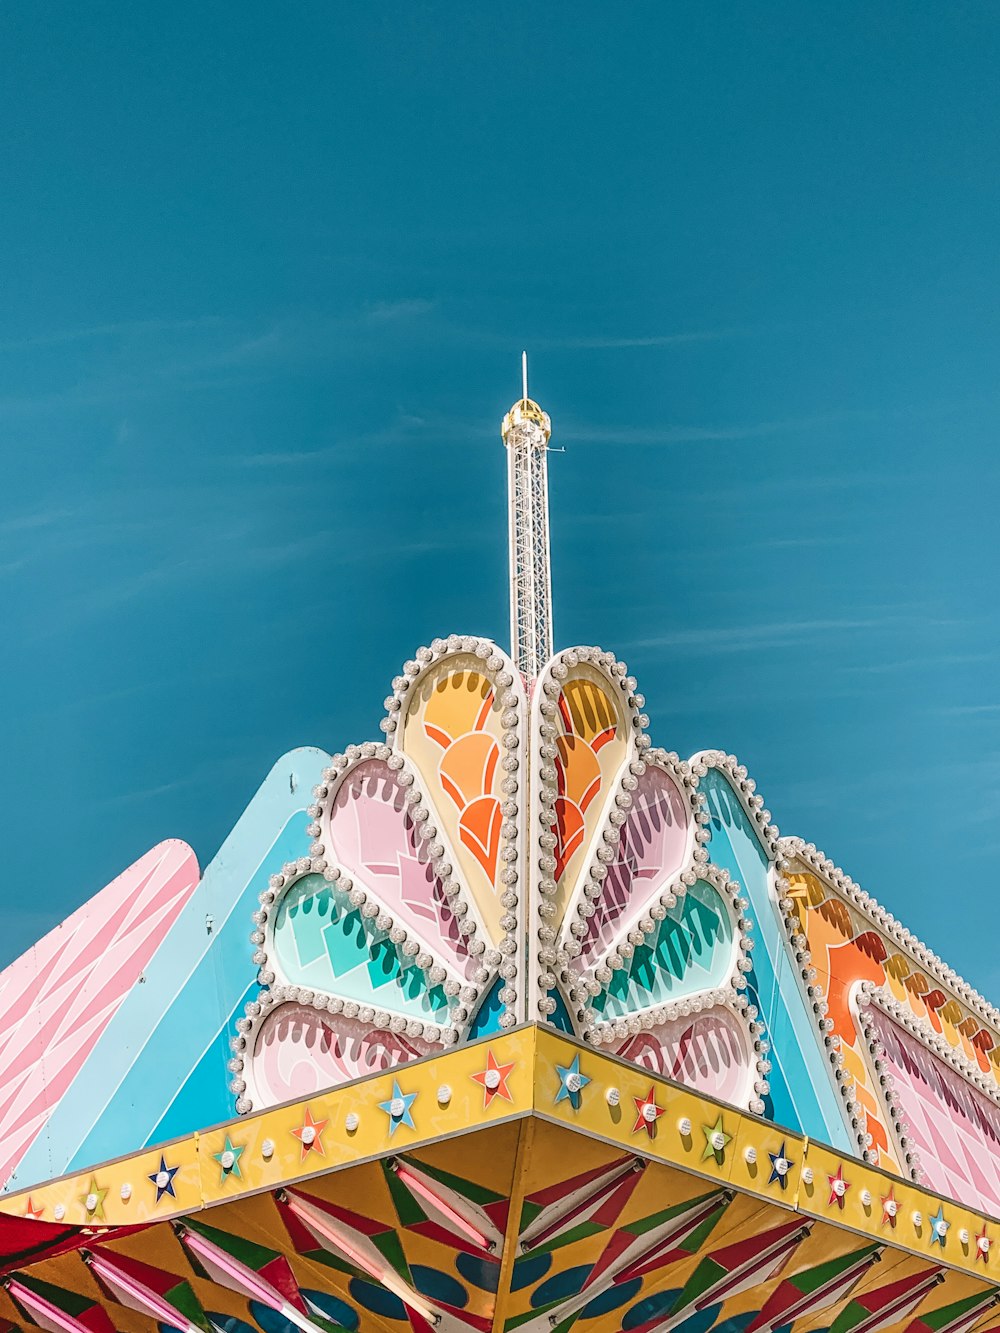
(693,951)
(322,943)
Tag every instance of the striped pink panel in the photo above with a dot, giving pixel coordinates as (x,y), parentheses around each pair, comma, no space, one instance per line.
(708,1052)
(300,1051)
(57,999)
(955,1129)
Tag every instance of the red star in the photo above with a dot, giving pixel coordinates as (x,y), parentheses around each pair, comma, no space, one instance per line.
(310,1134)
(838,1188)
(493,1080)
(983,1243)
(32,1211)
(647,1112)
(889,1209)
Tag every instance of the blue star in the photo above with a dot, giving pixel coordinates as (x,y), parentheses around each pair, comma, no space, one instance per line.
(780,1173)
(939,1227)
(163,1179)
(398,1108)
(571,1083)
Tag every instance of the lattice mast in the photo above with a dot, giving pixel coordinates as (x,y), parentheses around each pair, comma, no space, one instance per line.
(526,430)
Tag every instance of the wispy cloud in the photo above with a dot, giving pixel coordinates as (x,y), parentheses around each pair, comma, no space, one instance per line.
(918,662)
(13,525)
(119,329)
(403,428)
(610,342)
(587,432)
(774,634)
(144,357)
(387,312)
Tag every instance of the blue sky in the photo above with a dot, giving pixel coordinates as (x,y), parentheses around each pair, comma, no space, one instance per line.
(266,275)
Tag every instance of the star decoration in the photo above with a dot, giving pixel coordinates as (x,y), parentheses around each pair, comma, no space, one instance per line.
(229,1159)
(647,1113)
(889,1209)
(93,1200)
(571,1083)
(838,1188)
(398,1108)
(716,1140)
(939,1226)
(163,1179)
(780,1167)
(32,1211)
(493,1080)
(310,1134)
(983,1243)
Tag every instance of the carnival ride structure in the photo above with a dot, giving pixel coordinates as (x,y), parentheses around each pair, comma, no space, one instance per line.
(538,1025)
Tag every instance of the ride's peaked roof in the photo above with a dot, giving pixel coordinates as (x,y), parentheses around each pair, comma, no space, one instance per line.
(511,851)
(524,1181)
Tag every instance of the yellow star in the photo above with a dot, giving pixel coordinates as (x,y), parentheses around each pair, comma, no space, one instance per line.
(93,1200)
(716,1140)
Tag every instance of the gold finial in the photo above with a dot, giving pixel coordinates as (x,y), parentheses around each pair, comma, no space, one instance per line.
(526,410)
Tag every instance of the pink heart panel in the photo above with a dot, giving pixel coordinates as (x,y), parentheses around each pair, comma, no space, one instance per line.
(371,835)
(707,1052)
(654,840)
(299,1051)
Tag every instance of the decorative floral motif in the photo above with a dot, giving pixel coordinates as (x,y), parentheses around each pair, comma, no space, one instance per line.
(618,894)
(401,931)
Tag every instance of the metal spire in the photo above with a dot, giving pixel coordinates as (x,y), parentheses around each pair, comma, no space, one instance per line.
(526,430)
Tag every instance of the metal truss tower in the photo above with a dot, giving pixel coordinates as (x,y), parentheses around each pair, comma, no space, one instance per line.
(526,430)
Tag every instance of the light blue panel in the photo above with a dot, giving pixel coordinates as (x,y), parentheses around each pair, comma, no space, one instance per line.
(201,1087)
(168,1028)
(804,1095)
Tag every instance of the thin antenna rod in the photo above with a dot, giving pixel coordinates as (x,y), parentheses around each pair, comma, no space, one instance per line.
(524,375)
